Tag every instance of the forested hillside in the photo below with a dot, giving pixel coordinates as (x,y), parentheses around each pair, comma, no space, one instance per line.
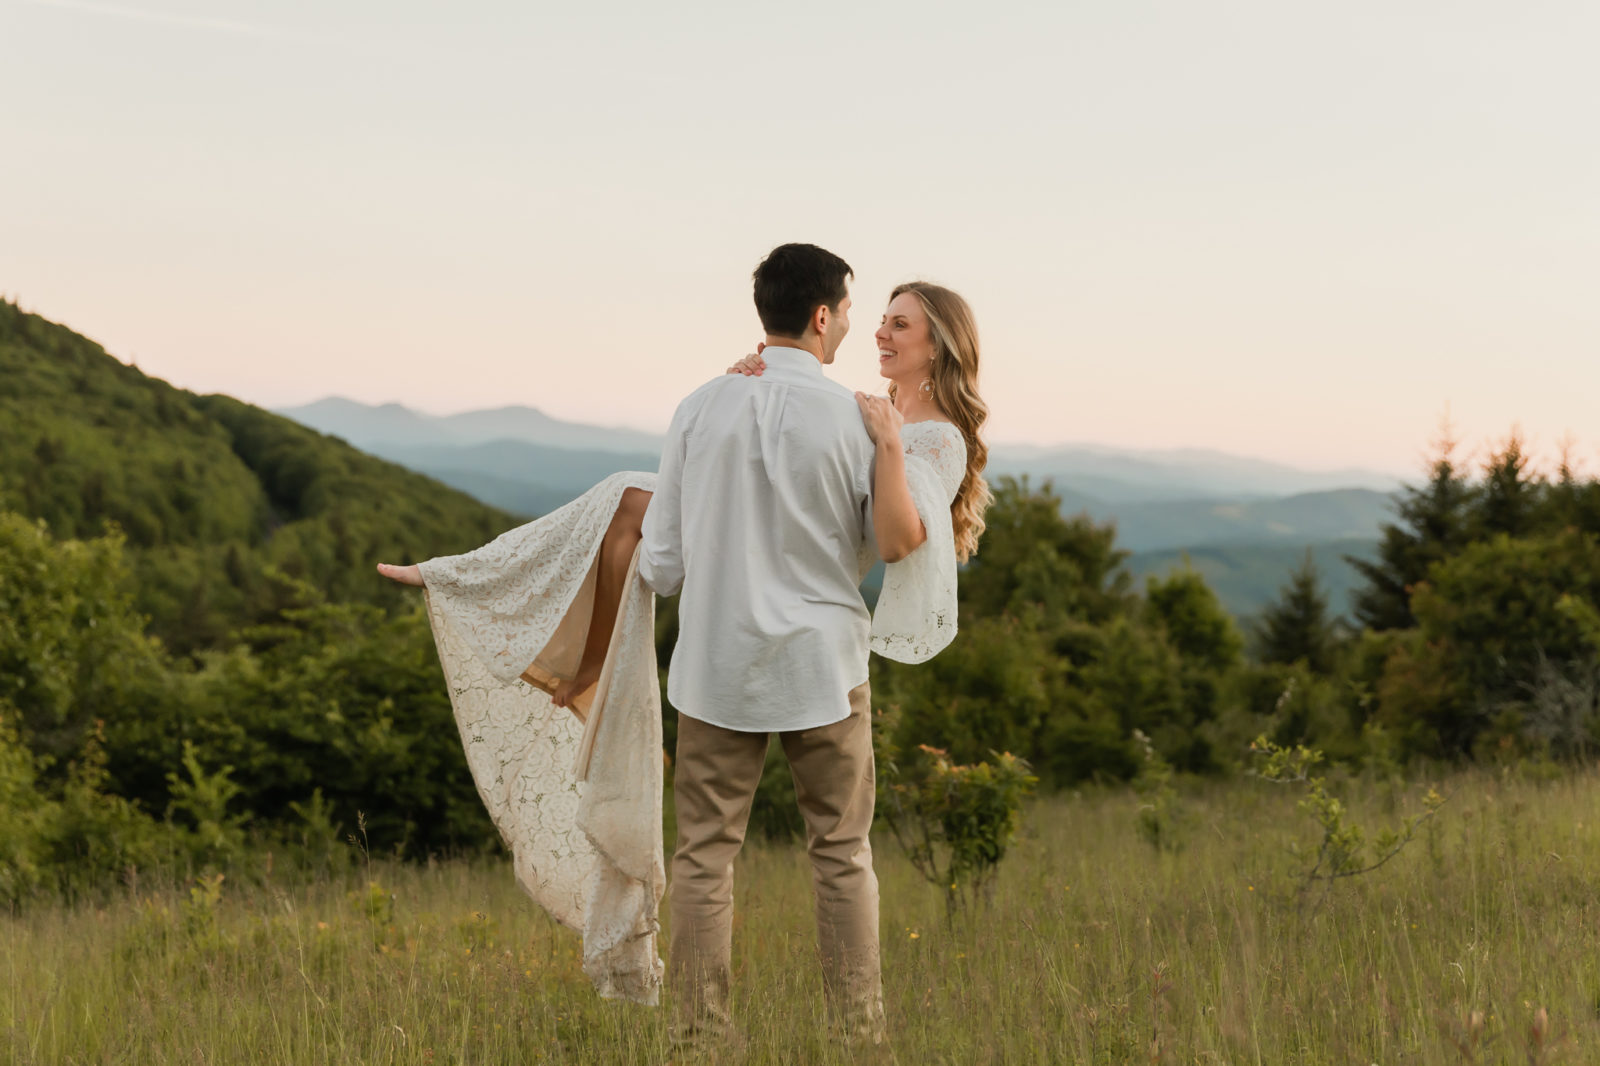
(211,494)
(220,671)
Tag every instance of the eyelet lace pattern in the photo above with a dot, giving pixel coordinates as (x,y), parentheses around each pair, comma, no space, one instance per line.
(588,851)
(916,614)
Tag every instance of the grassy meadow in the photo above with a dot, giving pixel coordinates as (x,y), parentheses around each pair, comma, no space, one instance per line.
(1478,943)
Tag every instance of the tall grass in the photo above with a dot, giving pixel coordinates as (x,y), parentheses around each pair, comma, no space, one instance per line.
(1095,948)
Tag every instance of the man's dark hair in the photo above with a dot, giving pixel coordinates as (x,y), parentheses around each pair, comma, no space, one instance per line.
(793,281)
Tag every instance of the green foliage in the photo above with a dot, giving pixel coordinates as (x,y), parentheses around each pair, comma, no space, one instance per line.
(1584,616)
(1060,967)
(1342,847)
(1031,557)
(222,655)
(1297,629)
(217,834)
(1485,660)
(1495,604)
(208,492)
(339,698)
(200,919)
(24,814)
(1434,521)
(1488,619)
(955,822)
(1509,501)
(1162,820)
(1193,619)
(328,709)
(72,648)
(85,439)
(1057,659)
(69,837)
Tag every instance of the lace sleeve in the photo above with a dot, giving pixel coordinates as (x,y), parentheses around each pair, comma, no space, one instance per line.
(916,614)
(941,446)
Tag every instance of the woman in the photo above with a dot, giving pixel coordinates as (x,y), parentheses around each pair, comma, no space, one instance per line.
(554,603)
(928,349)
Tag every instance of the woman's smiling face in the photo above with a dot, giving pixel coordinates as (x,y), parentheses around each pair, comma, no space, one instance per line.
(905,343)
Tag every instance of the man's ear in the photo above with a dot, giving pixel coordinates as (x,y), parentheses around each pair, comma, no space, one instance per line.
(820,319)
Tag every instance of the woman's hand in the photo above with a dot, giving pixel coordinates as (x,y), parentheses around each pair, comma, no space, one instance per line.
(751,366)
(883,422)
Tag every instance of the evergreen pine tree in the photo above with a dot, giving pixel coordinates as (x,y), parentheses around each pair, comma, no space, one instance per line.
(1509,501)
(1296,628)
(1433,522)
(1571,501)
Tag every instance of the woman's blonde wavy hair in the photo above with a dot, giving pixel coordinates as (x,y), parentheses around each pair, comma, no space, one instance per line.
(954,375)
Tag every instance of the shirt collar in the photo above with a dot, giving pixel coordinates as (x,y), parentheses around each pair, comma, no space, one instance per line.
(791,359)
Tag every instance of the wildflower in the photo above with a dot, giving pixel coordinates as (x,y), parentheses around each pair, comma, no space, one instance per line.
(915,936)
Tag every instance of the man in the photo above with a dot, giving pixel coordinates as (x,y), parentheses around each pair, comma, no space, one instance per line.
(760,515)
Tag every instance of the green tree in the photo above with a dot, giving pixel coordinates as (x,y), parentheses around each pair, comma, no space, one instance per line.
(1492,614)
(1571,502)
(72,647)
(1030,556)
(1194,620)
(1296,628)
(1184,609)
(1434,521)
(1509,500)
(208,492)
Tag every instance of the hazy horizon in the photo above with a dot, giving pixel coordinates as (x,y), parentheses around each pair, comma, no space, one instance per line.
(1074,444)
(1259,229)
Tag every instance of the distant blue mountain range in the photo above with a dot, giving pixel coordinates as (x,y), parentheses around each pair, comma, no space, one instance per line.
(1243,522)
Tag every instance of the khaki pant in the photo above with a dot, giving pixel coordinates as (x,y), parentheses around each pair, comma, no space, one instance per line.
(715,779)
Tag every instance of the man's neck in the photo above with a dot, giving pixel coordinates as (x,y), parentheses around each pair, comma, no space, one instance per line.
(805,344)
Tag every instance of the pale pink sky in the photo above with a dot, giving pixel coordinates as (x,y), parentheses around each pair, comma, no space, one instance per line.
(1250,226)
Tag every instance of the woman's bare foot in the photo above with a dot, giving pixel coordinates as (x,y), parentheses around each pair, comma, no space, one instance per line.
(406,575)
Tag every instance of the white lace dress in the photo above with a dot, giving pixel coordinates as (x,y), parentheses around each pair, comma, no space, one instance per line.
(576,795)
(916,614)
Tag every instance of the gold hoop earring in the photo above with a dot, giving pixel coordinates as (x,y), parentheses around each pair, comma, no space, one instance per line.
(926,388)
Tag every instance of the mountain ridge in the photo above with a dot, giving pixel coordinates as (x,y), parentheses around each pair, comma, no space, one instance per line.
(225,508)
(1117,475)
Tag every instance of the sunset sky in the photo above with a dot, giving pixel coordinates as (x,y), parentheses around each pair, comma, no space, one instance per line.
(1289,230)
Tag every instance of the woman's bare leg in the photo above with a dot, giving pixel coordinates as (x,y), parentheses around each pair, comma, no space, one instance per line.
(406,575)
(616,553)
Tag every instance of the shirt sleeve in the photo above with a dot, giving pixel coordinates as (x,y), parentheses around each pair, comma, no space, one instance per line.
(661,549)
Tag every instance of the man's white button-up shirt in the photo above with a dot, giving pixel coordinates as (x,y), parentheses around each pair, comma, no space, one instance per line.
(761,514)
